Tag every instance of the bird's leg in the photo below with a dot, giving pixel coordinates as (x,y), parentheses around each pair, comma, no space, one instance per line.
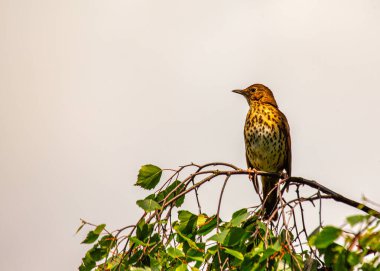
(284,176)
(254,180)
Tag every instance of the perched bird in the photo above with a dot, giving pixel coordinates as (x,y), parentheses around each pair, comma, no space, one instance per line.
(267,141)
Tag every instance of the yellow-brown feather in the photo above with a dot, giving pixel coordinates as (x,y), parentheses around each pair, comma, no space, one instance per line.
(267,140)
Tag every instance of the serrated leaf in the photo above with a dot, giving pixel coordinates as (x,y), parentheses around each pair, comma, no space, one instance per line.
(92,236)
(267,252)
(188,221)
(191,243)
(239,212)
(155,264)
(107,241)
(87,263)
(97,253)
(208,226)
(137,241)
(143,230)
(355,219)
(238,217)
(235,236)
(182,267)
(234,253)
(316,231)
(149,176)
(148,205)
(212,250)
(175,252)
(99,229)
(326,237)
(195,255)
(202,218)
(174,189)
(219,237)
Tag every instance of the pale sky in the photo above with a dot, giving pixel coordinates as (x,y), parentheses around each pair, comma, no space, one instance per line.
(92,90)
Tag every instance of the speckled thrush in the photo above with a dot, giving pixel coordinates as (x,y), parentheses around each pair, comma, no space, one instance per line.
(267,141)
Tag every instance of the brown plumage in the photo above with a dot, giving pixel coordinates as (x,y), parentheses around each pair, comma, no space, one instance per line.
(267,140)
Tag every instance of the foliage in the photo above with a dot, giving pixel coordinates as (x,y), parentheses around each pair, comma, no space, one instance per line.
(169,238)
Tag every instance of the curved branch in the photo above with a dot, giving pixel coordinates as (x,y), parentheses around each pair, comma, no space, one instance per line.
(334,195)
(297,180)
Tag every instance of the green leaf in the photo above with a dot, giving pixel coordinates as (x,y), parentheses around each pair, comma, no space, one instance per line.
(235,236)
(107,241)
(174,189)
(211,251)
(148,205)
(219,237)
(313,235)
(267,253)
(234,253)
(207,225)
(182,267)
(87,263)
(99,229)
(201,220)
(239,213)
(230,236)
(331,253)
(137,241)
(188,222)
(143,230)
(155,264)
(326,237)
(175,252)
(238,217)
(97,253)
(191,243)
(251,223)
(149,176)
(355,219)
(92,236)
(370,240)
(353,259)
(195,255)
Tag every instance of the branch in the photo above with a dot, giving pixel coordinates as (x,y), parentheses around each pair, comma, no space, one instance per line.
(334,195)
(202,174)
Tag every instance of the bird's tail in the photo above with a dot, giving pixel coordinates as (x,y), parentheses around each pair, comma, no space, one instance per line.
(270,199)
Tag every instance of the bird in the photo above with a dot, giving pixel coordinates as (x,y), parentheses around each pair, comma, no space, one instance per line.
(267,142)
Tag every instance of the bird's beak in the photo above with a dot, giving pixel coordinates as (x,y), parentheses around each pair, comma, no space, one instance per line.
(239,91)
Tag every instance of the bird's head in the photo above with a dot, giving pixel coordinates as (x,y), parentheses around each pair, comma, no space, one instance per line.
(257,93)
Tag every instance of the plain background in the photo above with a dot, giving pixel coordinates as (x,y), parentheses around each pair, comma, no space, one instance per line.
(92,90)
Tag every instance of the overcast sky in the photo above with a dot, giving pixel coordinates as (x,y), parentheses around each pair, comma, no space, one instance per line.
(92,90)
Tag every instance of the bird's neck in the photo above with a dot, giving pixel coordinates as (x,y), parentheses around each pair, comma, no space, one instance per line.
(258,105)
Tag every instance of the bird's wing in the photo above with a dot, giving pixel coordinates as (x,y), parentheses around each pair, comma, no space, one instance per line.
(288,158)
(253,178)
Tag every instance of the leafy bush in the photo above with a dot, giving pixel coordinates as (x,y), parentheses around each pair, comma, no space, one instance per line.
(165,239)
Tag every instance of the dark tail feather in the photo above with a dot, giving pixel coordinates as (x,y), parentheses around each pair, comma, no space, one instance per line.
(269,195)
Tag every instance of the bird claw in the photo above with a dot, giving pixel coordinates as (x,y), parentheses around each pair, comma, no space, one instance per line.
(254,179)
(284,175)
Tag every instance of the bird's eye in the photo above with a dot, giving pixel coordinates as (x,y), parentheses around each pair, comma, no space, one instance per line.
(253,89)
